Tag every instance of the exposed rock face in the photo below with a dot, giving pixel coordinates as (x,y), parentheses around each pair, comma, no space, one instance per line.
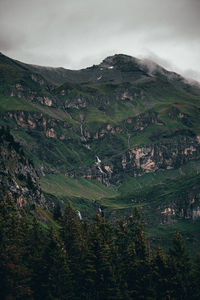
(131,125)
(25,84)
(51,133)
(18,174)
(78,102)
(145,159)
(185,206)
(21,91)
(37,122)
(136,161)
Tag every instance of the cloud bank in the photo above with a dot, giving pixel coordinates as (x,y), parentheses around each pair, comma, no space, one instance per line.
(76,33)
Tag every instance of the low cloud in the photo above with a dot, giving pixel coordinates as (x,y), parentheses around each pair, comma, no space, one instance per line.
(191,75)
(76,33)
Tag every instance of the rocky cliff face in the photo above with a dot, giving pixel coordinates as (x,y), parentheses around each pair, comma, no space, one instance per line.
(168,155)
(37,121)
(185,206)
(143,159)
(37,94)
(17,173)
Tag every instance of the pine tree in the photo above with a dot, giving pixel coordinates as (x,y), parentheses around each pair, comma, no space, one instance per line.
(195,286)
(71,230)
(136,233)
(36,243)
(180,269)
(57,212)
(161,276)
(71,233)
(137,275)
(88,273)
(14,274)
(100,245)
(133,258)
(122,244)
(56,277)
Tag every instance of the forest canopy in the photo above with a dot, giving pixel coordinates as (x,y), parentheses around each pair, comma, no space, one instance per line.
(77,259)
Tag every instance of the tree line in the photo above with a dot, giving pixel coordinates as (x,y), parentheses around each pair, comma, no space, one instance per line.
(81,260)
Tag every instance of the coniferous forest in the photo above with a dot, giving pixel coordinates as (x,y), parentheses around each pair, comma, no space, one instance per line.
(92,260)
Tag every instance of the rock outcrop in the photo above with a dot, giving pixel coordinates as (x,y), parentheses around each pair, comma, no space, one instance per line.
(17,174)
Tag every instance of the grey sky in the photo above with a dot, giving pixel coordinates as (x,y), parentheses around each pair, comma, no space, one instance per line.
(78,33)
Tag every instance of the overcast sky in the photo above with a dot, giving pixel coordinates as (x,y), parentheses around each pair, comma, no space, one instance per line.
(78,33)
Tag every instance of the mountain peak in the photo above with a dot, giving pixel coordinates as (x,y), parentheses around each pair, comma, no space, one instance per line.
(118,59)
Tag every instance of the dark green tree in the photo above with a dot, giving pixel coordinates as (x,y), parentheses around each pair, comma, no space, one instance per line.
(71,234)
(180,268)
(56,280)
(88,273)
(133,259)
(122,243)
(71,230)
(36,243)
(195,286)
(161,276)
(105,284)
(15,277)
(136,233)
(57,212)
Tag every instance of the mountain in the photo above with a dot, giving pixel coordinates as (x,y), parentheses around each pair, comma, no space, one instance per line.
(116,135)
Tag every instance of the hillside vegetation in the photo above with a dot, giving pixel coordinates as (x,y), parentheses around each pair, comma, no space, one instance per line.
(115,135)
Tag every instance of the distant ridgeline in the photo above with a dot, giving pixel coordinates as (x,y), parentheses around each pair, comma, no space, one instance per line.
(75,259)
(118,135)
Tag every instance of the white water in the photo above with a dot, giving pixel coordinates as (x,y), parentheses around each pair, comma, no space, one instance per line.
(79,215)
(98,163)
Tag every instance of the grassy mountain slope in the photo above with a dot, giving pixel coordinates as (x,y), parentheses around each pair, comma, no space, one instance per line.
(115,135)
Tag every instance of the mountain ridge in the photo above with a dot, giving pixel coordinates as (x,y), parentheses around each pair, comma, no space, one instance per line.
(147,66)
